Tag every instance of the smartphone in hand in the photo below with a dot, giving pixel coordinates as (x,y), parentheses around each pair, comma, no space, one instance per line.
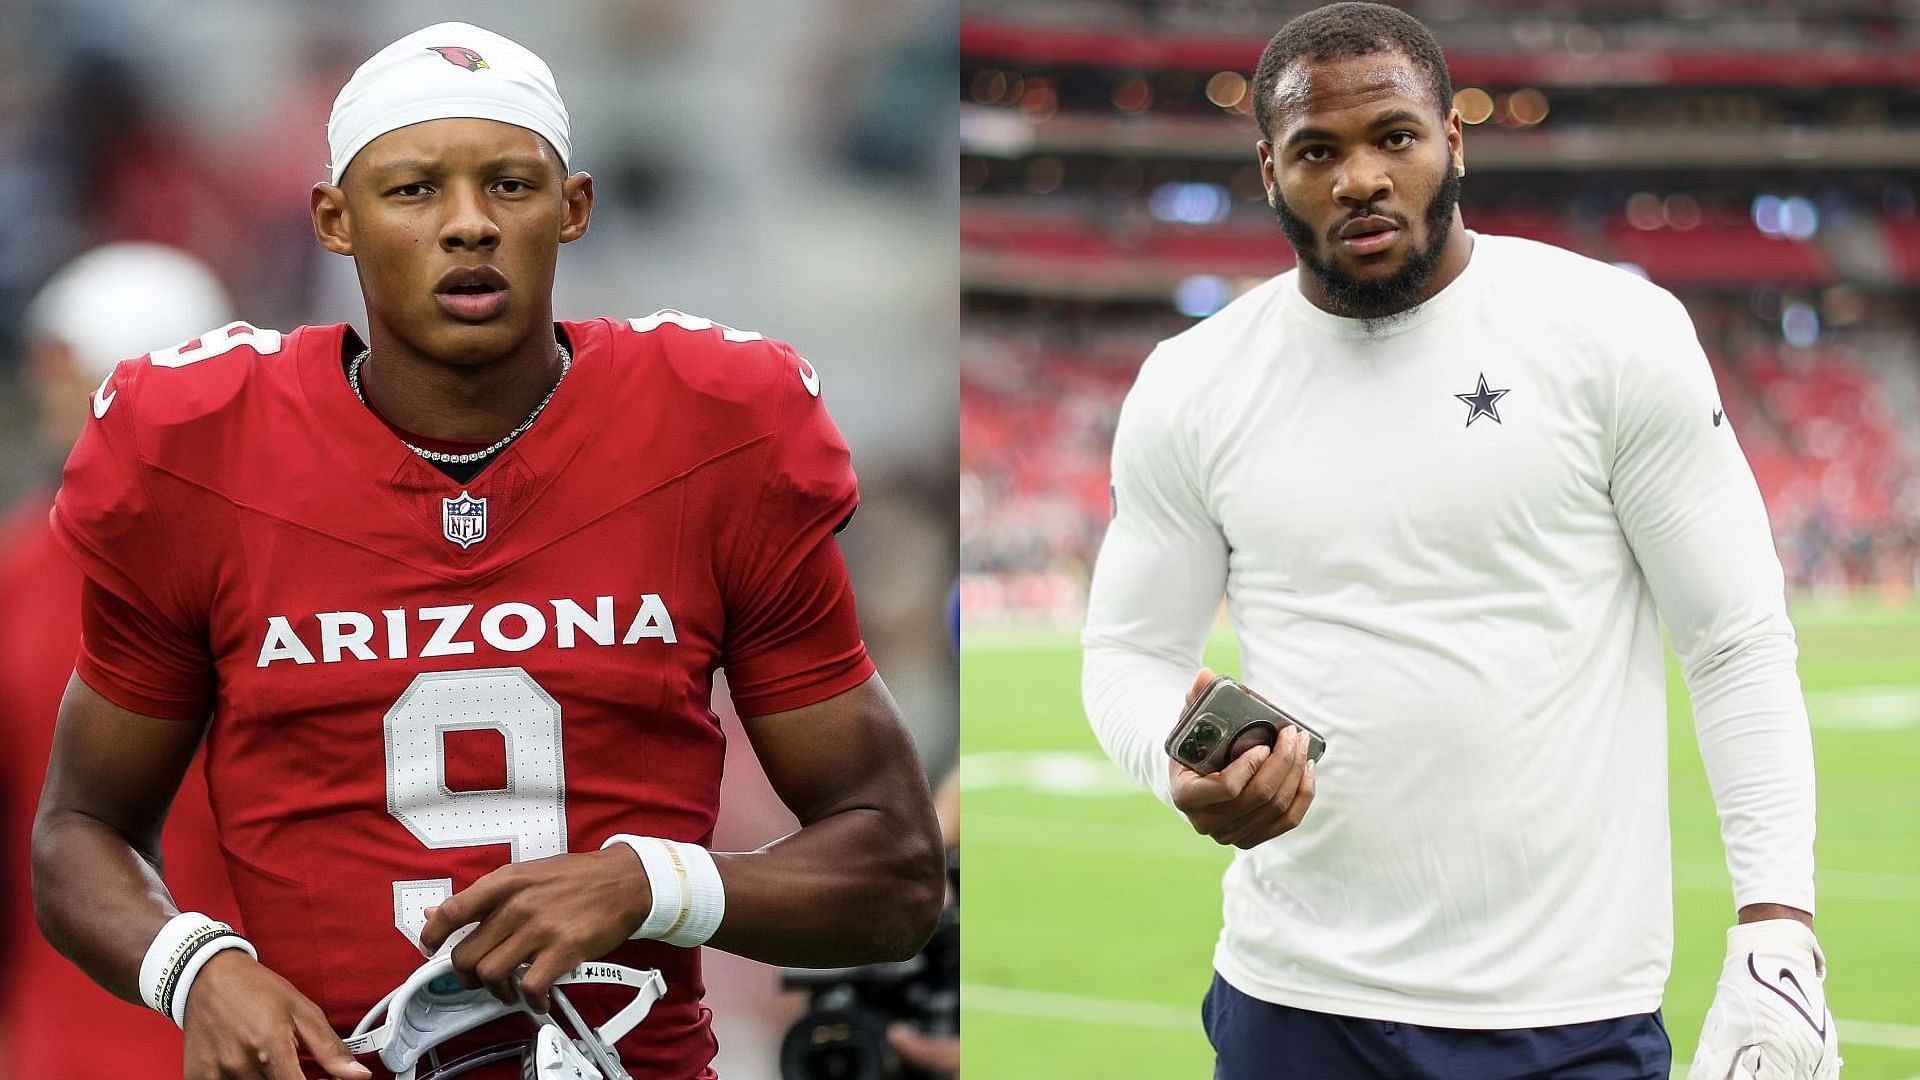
(1225,721)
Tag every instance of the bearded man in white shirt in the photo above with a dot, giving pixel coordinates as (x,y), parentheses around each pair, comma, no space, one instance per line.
(1448,483)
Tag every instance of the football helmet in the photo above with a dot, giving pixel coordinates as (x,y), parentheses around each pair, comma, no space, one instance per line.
(431,1007)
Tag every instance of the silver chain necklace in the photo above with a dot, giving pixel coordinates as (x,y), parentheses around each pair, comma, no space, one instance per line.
(566,364)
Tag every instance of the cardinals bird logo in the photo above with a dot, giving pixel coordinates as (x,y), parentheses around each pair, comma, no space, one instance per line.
(459,56)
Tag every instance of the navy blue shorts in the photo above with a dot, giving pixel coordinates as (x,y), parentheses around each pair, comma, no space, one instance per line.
(1258,1040)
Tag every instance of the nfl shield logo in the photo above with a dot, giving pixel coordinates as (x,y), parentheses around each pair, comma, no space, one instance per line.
(465,519)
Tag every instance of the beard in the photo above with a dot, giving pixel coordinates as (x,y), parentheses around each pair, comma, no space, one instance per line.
(1372,300)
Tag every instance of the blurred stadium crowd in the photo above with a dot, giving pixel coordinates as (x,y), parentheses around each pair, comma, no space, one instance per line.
(754,164)
(1757,159)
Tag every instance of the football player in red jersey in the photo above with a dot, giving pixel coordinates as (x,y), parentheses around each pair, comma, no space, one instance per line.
(447,605)
(108,303)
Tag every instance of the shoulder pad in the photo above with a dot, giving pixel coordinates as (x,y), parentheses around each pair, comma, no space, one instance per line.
(719,361)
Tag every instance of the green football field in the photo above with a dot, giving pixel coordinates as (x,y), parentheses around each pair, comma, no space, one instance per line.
(1091,910)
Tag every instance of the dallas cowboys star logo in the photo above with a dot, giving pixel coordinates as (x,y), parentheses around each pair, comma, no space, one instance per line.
(1481,402)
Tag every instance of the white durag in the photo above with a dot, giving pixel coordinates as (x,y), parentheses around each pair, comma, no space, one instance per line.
(449,69)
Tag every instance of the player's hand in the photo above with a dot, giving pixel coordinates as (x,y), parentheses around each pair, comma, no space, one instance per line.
(935,1054)
(1258,796)
(553,913)
(1769,1019)
(246,1023)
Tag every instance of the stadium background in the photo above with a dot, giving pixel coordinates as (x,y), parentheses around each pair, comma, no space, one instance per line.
(754,164)
(1758,159)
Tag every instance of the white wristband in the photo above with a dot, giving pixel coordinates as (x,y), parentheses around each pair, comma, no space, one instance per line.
(688,898)
(670,897)
(199,960)
(181,948)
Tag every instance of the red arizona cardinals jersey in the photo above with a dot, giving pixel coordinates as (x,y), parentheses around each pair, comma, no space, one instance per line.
(44,996)
(412,681)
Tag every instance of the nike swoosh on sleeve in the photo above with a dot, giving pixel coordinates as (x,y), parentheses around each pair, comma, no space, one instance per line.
(103,401)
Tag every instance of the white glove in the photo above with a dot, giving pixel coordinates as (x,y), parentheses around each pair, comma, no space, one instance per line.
(1769,1019)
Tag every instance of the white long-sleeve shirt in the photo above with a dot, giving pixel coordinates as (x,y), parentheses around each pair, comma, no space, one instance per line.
(1464,603)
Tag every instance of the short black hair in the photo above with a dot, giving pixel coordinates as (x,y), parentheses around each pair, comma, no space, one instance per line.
(1340,31)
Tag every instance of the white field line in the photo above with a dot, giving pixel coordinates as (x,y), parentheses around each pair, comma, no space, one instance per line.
(1865,708)
(1066,834)
(1871,1033)
(1016,638)
(1868,885)
(1053,635)
(1052,772)
(1855,708)
(1027,638)
(1077,1008)
(1054,834)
